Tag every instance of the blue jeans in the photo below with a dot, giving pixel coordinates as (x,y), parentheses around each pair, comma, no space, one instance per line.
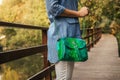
(64,70)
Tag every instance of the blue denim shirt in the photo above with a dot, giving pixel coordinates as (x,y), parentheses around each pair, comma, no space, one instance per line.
(62,26)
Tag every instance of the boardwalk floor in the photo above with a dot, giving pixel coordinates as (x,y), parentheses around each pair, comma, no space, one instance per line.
(103,63)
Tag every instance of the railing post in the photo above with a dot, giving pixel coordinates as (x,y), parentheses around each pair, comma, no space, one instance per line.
(96,35)
(46,63)
(92,40)
(88,39)
(100,33)
(1,48)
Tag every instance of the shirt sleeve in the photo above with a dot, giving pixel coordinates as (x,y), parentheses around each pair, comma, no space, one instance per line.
(54,8)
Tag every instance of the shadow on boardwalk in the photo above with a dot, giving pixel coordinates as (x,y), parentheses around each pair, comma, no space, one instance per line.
(103,63)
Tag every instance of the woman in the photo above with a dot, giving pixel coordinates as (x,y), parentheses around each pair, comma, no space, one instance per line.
(63,15)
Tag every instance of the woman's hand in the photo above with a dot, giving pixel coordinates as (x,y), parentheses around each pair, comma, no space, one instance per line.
(83,12)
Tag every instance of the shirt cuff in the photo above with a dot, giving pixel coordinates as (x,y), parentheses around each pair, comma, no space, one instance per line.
(57,10)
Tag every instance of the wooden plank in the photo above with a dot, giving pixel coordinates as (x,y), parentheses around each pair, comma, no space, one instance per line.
(46,62)
(7,24)
(20,53)
(40,75)
(103,62)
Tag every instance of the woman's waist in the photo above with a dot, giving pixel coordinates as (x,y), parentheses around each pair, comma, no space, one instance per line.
(68,19)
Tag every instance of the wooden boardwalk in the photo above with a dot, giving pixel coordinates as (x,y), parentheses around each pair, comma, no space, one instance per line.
(103,63)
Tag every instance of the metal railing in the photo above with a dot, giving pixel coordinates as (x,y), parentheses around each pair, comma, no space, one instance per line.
(92,37)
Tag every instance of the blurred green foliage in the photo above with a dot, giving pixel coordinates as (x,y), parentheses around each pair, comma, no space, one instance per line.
(103,13)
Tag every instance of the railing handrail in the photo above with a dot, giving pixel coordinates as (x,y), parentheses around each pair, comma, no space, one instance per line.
(42,73)
(16,25)
(39,75)
(20,53)
(92,34)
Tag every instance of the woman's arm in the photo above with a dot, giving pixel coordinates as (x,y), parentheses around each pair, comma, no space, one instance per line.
(71,13)
(54,8)
(57,10)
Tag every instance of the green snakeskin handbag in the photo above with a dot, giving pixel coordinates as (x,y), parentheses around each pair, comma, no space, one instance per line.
(72,49)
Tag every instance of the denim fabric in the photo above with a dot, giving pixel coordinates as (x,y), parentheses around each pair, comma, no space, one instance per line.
(62,27)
